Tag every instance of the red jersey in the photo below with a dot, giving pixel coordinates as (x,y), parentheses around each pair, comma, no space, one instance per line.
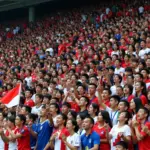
(144,144)
(102,133)
(59,144)
(29,103)
(24,141)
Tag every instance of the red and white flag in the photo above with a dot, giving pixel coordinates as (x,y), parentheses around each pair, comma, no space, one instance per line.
(12,98)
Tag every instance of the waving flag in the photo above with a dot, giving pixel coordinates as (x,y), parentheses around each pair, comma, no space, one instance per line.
(12,98)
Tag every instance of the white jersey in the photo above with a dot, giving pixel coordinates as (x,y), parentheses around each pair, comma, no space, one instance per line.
(1,144)
(74,140)
(114,133)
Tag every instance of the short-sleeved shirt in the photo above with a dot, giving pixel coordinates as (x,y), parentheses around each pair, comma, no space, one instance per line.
(144,144)
(88,142)
(24,141)
(114,132)
(102,133)
(113,115)
(59,144)
(44,131)
(74,140)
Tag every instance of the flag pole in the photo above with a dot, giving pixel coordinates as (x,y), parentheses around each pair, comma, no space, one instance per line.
(20,89)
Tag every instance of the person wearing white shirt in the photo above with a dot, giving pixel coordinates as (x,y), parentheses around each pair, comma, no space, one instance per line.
(117,81)
(121,131)
(38,104)
(73,140)
(113,109)
(141,10)
(119,69)
(107,10)
(51,51)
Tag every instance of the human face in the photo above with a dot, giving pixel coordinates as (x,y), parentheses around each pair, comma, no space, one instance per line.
(59,120)
(52,109)
(105,95)
(119,91)
(37,100)
(141,114)
(69,125)
(79,120)
(43,112)
(80,90)
(91,110)
(116,79)
(23,111)
(65,109)
(122,116)
(121,106)
(119,147)
(1,117)
(91,89)
(126,90)
(27,94)
(132,104)
(100,117)
(82,102)
(113,103)
(87,124)
(137,78)
(144,73)
(45,100)
(69,116)
(138,87)
(18,121)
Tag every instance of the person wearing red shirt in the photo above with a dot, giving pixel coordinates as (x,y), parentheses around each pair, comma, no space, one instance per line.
(9,144)
(91,91)
(21,134)
(102,130)
(28,100)
(58,133)
(140,89)
(142,137)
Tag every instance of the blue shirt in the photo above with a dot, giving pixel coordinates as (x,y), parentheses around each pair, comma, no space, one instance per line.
(33,139)
(90,140)
(44,131)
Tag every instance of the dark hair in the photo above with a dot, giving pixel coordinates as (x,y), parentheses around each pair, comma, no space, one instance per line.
(93,85)
(128,69)
(106,117)
(91,119)
(81,116)
(107,89)
(116,98)
(123,144)
(146,111)
(22,118)
(138,104)
(130,88)
(56,106)
(40,96)
(74,123)
(144,91)
(95,107)
(127,115)
(33,117)
(119,76)
(27,108)
(66,104)
(73,113)
(48,96)
(64,117)
(86,99)
(12,119)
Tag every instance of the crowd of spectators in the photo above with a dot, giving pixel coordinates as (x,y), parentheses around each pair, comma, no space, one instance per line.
(85,80)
